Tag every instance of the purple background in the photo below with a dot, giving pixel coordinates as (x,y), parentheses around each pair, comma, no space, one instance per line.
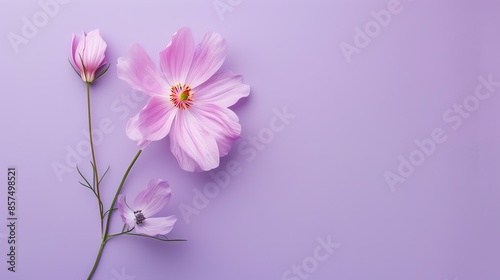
(323,175)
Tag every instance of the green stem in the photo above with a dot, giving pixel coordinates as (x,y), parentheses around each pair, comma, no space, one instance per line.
(112,206)
(153,237)
(96,176)
(110,211)
(121,233)
(97,259)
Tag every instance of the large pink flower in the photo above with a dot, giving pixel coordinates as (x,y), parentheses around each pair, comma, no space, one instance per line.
(87,55)
(189,101)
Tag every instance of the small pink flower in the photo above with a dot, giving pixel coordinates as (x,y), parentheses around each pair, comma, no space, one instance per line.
(189,101)
(150,201)
(87,54)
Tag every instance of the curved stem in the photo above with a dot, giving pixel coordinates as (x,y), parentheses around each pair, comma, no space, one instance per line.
(112,206)
(153,237)
(110,211)
(121,233)
(97,259)
(94,165)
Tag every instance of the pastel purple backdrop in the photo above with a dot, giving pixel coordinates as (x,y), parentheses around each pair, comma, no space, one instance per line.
(319,176)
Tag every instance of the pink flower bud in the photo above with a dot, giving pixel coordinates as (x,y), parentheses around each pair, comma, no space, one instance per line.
(87,54)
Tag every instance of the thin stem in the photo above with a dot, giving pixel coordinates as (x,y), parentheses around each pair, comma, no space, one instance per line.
(107,211)
(94,165)
(121,233)
(154,237)
(110,211)
(112,206)
(97,259)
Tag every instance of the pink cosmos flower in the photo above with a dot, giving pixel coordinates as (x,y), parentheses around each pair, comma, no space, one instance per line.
(87,55)
(150,201)
(189,101)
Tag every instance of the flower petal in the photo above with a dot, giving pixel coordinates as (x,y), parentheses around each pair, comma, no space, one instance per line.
(153,122)
(223,89)
(189,142)
(156,226)
(75,42)
(185,161)
(95,47)
(135,134)
(139,71)
(154,198)
(176,58)
(79,54)
(222,123)
(208,58)
(126,213)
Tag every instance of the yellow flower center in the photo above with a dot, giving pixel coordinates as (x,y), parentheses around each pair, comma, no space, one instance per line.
(181,96)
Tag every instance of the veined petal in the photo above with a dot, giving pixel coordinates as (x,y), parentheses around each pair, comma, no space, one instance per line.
(223,89)
(176,58)
(208,58)
(95,47)
(189,142)
(139,71)
(126,213)
(156,226)
(154,120)
(135,134)
(75,42)
(154,198)
(184,160)
(79,54)
(222,123)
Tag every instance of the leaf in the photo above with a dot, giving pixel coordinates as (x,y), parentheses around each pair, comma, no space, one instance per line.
(94,172)
(85,185)
(103,215)
(154,237)
(83,66)
(103,72)
(78,169)
(74,68)
(106,172)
